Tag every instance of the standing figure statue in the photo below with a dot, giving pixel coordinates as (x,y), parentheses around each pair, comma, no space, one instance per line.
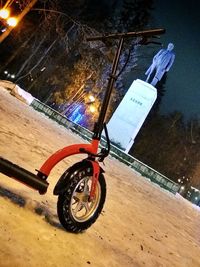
(161,63)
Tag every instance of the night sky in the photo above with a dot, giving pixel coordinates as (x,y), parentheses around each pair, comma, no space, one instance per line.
(181,20)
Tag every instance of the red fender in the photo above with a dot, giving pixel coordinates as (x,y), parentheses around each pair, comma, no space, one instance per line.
(66,152)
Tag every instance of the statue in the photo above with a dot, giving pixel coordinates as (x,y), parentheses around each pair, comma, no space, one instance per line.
(161,63)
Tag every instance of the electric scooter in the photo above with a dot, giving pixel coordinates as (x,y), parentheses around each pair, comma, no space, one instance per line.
(81,190)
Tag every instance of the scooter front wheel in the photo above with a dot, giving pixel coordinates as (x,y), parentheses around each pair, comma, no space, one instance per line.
(75,210)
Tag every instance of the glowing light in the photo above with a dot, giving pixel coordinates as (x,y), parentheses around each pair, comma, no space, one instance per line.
(5,72)
(43,69)
(76,115)
(92,109)
(91,98)
(4,13)
(13,76)
(12,21)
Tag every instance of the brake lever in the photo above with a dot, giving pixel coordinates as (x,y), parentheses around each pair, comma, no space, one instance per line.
(153,42)
(103,154)
(146,41)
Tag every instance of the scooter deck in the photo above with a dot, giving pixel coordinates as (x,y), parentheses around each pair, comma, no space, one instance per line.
(22,175)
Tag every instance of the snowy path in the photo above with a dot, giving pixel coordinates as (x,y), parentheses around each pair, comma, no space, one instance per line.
(141,224)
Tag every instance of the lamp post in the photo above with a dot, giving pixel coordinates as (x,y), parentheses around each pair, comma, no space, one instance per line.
(6,19)
(12,22)
(4,13)
(8,22)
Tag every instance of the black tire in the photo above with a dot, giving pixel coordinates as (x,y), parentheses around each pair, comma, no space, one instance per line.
(75,211)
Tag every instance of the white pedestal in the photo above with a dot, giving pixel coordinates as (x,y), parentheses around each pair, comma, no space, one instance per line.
(131,113)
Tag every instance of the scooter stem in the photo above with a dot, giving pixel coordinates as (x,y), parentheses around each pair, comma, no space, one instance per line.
(98,127)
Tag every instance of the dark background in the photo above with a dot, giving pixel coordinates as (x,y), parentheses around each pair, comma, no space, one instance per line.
(182,22)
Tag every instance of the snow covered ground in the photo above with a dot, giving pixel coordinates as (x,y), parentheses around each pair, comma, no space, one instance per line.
(141,224)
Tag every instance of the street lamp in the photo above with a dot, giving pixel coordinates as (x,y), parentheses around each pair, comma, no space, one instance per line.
(91,98)
(92,109)
(4,13)
(12,21)
(5,16)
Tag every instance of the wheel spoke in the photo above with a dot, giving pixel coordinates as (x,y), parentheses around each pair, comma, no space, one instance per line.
(87,207)
(78,207)
(75,200)
(86,187)
(78,196)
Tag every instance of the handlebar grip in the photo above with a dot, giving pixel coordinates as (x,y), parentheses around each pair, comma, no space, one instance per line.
(146,33)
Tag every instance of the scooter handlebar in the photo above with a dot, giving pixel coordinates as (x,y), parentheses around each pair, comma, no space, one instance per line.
(146,33)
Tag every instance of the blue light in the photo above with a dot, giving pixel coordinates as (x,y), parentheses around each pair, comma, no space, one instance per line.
(77,114)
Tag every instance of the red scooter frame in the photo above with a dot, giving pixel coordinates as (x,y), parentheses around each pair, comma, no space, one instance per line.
(90,149)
